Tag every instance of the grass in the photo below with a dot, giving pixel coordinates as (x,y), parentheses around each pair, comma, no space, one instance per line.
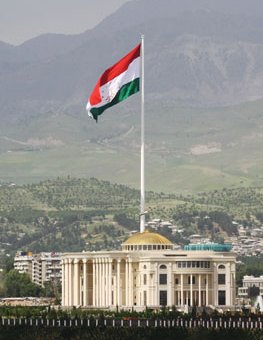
(110,150)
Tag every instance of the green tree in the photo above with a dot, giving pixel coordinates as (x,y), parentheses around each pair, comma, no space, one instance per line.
(18,285)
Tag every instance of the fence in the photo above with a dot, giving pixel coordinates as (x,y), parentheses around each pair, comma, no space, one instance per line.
(219,323)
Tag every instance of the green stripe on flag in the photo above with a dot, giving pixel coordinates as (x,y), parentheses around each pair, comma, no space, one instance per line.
(125,91)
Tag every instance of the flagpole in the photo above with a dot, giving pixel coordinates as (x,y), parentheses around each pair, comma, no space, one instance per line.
(142,210)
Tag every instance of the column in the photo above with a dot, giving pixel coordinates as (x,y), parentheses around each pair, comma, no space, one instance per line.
(66,279)
(130,284)
(157,300)
(126,282)
(206,286)
(80,285)
(103,283)
(70,278)
(199,290)
(118,282)
(63,283)
(214,285)
(100,282)
(85,286)
(97,283)
(228,283)
(76,283)
(182,289)
(169,285)
(93,283)
(110,283)
(106,283)
(191,290)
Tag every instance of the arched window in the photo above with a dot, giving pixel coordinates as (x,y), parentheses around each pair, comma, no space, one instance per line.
(162,266)
(221,266)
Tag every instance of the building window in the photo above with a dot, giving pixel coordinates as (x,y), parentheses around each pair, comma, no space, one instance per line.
(163,298)
(221,266)
(189,280)
(163,279)
(162,266)
(176,281)
(193,264)
(221,298)
(144,297)
(221,279)
(144,279)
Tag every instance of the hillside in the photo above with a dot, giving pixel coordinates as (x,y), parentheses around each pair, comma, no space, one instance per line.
(69,214)
(192,149)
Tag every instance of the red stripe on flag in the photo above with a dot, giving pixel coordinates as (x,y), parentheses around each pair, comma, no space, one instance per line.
(112,72)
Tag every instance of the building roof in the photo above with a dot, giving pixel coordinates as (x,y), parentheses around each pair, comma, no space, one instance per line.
(209,246)
(147,237)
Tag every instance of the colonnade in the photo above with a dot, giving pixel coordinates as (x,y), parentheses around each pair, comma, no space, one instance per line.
(198,293)
(97,282)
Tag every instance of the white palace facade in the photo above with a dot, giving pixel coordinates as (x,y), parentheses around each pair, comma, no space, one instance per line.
(148,272)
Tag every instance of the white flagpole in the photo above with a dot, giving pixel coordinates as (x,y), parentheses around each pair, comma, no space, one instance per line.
(142,212)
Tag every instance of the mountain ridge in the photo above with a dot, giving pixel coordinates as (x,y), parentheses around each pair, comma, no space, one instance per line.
(55,72)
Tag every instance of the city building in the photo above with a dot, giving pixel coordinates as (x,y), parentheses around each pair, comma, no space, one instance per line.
(23,262)
(42,268)
(252,286)
(149,272)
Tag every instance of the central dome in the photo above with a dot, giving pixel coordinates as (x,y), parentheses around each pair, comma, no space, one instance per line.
(147,237)
(147,241)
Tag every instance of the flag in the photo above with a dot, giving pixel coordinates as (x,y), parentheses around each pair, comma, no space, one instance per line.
(116,84)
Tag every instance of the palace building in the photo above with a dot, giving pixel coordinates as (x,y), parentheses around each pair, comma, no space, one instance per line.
(147,271)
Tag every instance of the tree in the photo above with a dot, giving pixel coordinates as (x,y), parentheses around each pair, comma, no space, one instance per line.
(19,285)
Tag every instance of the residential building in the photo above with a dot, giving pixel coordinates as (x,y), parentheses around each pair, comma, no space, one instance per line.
(43,267)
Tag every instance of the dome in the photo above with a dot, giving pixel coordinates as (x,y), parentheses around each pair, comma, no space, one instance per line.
(147,241)
(147,237)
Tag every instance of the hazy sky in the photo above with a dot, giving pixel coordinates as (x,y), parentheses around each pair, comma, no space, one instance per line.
(21,20)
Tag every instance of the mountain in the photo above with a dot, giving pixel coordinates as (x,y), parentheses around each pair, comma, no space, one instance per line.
(204,98)
(213,50)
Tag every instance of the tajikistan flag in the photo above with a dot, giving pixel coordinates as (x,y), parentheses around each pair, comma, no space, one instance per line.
(116,84)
